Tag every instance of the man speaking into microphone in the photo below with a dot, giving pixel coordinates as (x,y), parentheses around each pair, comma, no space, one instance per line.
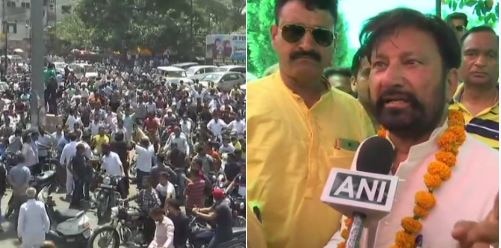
(445,176)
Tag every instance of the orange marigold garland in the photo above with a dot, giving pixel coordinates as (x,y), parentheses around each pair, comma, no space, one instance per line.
(345,232)
(438,171)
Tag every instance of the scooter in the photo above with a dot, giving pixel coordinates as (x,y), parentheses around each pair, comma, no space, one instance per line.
(70,228)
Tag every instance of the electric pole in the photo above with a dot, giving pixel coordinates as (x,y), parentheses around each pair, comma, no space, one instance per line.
(37,101)
(6,30)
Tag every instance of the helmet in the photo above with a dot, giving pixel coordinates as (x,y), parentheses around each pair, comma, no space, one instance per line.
(218,194)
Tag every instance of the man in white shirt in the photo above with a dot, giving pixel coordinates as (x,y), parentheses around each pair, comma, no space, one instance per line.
(179,139)
(30,157)
(226,147)
(33,222)
(68,153)
(95,125)
(72,120)
(237,126)
(187,126)
(216,127)
(414,61)
(145,153)
(164,231)
(111,162)
(165,189)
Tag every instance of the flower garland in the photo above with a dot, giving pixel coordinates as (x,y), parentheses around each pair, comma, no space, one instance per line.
(438,171)
(345,233)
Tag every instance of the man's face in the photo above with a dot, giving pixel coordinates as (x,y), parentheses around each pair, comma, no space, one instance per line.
(480,65)
(341,82)
(459,27)
(360,83)
(407,83)
(304,59)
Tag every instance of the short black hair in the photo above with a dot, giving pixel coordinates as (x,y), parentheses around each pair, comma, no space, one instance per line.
(341,71)
(356,62)
(457,15)
(386,23)
(173,203)
(328,5)
(478,30)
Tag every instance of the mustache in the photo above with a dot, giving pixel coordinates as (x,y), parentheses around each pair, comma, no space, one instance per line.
(312,54)
(397,92)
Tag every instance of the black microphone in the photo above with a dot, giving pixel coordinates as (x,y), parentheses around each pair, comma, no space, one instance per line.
(376,155)
(367,193)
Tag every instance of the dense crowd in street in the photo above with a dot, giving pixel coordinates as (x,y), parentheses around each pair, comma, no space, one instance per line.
(179,143)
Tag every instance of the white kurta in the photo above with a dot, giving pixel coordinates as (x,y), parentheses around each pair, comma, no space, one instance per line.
(468,195)
(33,223)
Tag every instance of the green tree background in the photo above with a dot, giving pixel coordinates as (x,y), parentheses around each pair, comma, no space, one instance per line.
(260,53)
(124,25)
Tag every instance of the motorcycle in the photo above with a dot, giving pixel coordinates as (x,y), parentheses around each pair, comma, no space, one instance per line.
(200,235)
(126,228)
(44,179)
(107,196)
(70,228)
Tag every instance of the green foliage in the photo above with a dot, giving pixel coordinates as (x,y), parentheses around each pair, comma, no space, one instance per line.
(260,53)
(71,32)
(485,12)
(155,24)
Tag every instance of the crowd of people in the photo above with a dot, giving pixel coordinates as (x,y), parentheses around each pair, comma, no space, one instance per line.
(428,86)
(170,138)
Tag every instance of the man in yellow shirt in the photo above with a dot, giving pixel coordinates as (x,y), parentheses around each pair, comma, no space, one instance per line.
(299,128)
(477,98)
(100,139)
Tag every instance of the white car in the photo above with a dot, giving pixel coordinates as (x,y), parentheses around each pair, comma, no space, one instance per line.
(197,70)
(234,68)
(172,71)
(224,80)
(185,65)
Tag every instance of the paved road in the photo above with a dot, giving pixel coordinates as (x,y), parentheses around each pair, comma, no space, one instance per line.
(8,238)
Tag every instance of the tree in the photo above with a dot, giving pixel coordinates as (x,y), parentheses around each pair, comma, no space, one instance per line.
(485,12)
(71,32)
(177,25)
(260,17)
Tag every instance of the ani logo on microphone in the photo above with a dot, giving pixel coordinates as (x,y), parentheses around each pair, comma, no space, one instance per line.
(360,188)
(348,190)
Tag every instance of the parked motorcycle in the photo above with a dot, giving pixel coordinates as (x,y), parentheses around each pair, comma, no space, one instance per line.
(126,228)
(44,179)
(107,196)
(70,228)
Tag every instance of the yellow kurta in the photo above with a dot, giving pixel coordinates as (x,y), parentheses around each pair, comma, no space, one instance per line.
(291,150)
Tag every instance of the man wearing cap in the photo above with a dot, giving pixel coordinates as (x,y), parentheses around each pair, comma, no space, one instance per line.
(33,221)
(220,212)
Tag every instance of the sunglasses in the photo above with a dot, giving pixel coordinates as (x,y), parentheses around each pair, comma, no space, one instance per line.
(293,33)
(460,28)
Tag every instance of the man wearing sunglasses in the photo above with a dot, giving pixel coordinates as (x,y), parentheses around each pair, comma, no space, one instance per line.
(458,22)
(299,128)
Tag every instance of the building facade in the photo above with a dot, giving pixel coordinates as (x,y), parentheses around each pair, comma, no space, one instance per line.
(15,16)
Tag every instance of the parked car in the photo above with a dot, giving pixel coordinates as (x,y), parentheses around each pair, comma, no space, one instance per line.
(185,65)
(234,68)
(224,80)
(200,69)
(172,71)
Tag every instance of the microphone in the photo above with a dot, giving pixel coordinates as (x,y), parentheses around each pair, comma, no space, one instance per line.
(367,193)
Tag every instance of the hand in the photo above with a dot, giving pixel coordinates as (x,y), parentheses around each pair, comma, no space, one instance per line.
(470,233)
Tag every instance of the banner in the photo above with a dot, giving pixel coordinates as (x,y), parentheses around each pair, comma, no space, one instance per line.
(226,48)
